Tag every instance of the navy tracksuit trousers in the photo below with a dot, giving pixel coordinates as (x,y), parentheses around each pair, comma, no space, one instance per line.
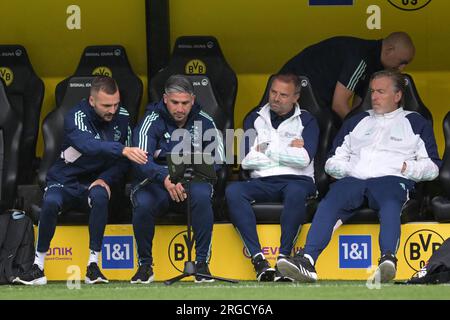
(289,189)
(386,194)
(57,199)
(153,200)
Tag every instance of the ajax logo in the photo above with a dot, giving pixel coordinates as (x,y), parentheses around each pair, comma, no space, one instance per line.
(102,71)
(7,75)
(195,67)
(178,250)
(420,246)
(409,5)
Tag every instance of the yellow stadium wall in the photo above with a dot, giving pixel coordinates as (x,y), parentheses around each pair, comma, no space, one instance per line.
(352,254)
(256,36)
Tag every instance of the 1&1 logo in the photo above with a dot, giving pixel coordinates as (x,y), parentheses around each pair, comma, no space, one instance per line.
(409,5)
(178,250)
(420,246)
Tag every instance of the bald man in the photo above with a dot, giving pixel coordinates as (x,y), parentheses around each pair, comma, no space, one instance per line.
(339,68)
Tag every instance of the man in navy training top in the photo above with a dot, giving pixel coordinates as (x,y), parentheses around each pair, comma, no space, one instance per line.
(281,165)
(153,193)
(339,67)
(93,160)
(377,155)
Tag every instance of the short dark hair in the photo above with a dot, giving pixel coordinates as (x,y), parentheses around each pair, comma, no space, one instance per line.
(289,78)
(178,83)
(105,84)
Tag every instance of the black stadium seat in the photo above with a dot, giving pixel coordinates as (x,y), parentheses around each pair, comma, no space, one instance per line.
(110,61)
(412,210)
(441,204)
(25,91)
(271,212)
(10,131)
(200,55)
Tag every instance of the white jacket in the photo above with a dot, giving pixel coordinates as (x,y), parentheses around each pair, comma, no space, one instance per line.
(372,145)
(279,158)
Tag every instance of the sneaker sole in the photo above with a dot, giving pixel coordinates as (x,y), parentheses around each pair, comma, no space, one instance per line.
(37,282)
(142,282)
(283,279)
(387,271)
(95,281)
(204,280)
(290,270)
(267,276)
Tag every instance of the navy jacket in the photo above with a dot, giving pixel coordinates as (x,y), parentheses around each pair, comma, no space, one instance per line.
(154,135)
(100,144)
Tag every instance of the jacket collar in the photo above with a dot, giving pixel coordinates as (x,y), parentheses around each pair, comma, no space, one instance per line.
(265,111)
(389,115)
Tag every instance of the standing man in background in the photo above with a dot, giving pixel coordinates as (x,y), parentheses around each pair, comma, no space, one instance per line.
(339,68)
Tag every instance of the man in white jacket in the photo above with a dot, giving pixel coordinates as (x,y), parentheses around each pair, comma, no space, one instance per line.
(281,165)
(377,155)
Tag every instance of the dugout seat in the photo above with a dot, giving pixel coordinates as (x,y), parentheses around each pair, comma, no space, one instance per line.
(200,55)
(441,204)
(110,61)
(205,96)
(413,209)
(78,88)
(25,91)
(270,212)
(10,131)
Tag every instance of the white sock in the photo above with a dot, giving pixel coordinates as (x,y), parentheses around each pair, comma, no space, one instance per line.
(39,259)
(309,258)
(93,256)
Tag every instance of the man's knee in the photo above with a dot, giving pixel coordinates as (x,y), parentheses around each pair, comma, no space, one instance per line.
(201,193)
(99,196)
(51,204)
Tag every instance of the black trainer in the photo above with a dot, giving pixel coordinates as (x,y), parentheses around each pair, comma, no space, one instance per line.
(387,267)
(264,272)
(144,274)
(201,267)
(33,277)
(94,275)
(297,267)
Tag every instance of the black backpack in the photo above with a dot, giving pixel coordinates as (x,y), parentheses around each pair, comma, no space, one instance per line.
(16,244)
(437,269)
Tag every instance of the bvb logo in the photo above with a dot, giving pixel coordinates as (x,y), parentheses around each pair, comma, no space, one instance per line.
(195,67)
(409,5)
(7,75)
(420,246)
(178,250)
(102,71)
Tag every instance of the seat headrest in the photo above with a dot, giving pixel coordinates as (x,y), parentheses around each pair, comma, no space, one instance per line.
(200,55)
(197,46)
(103,60)
(15,68)
(78,88)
